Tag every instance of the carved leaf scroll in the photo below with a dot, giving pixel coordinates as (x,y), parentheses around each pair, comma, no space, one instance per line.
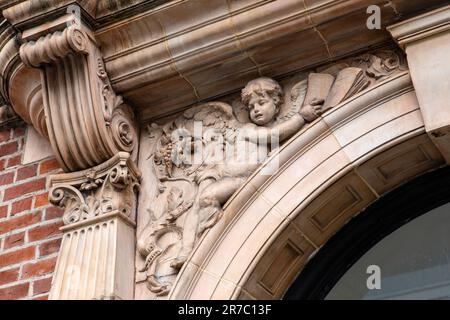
(98,191)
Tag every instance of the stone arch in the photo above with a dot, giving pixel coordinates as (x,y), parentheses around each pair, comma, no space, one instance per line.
(414,203)
(327,173)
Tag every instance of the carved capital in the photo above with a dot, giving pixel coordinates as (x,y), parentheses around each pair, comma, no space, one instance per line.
(99,231)
(89,194)
(87,123)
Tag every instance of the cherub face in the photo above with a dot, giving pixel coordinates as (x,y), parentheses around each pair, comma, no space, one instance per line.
(262,109)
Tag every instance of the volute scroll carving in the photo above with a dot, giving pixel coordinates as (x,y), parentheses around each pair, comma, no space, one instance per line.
(53,47)
(87,122)
(108,188)
(99,230)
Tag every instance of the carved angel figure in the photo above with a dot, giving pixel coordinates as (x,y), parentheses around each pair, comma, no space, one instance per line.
(242,148)
(201,159)
(203,156)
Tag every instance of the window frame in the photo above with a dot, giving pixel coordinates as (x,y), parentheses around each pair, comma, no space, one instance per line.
(359,235)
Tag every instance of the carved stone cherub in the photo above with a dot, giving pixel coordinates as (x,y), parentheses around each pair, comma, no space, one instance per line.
(190,194)
(263,98)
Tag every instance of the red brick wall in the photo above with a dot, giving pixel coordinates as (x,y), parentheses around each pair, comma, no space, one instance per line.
(29,226)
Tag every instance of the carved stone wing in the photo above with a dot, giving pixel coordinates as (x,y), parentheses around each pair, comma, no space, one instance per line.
(297,96)
(211,113)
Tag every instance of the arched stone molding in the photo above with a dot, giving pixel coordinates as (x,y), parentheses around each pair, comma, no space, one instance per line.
(327,173)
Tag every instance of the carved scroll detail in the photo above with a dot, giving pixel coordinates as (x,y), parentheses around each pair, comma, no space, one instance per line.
(99,230)
(9,58)
(87,122)
(84,195)
(53,47)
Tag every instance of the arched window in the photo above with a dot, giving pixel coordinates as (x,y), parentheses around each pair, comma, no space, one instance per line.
(398,248)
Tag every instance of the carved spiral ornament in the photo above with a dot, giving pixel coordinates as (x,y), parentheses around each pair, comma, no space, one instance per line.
(71,200)
(56,195)
(76,38)
(119,177)
(123,129)
(53,46)
(84,132)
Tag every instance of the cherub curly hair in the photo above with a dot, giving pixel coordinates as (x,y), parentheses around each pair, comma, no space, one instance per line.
(260,87)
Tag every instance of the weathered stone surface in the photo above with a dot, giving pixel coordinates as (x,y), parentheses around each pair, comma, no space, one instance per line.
(36,147)
(350,129)
(99,217)
(201,158)
(276,223)
(219,45)
(87,123)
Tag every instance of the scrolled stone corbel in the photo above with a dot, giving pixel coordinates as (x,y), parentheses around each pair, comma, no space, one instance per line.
(87,122)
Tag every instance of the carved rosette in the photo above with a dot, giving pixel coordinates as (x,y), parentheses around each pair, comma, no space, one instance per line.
(108,188)
(87,122)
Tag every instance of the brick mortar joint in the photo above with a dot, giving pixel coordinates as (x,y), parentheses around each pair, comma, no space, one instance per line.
(30,228)
(31,244)
(22,281)
(12,139)
(11,163)
(31,211)
(26,195)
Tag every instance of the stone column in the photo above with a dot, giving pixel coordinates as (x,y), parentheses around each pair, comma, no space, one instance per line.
(426,41)
(98,246)
(93,136)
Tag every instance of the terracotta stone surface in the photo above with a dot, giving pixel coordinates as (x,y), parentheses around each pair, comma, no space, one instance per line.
(97,251)
(106,94)
(38,148)
(212,51)
(186,199)
(241,48)
(324,200)
(426,40)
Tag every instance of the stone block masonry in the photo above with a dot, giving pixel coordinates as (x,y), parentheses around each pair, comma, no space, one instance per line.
(29,226)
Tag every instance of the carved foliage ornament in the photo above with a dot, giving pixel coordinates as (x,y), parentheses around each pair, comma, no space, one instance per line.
(107,188)
(87,122)
(194,184)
